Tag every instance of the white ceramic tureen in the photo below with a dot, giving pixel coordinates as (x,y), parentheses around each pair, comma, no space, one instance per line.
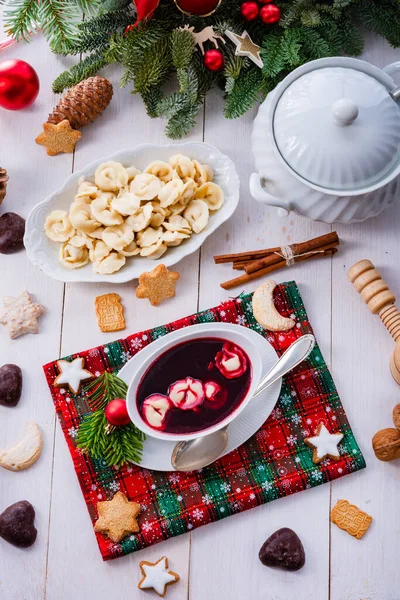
(326,141)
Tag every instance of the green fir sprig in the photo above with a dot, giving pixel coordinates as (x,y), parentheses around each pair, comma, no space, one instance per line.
(115,445)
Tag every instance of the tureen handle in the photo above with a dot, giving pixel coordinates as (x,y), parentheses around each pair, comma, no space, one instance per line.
(391,70)
(259,194)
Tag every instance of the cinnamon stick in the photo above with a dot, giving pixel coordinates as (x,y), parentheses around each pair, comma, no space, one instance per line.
(245,278)
(298,250)
(246,256)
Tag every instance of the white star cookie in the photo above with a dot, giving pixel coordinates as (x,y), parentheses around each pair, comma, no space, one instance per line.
(157,576)
(72,374)
(20,315)
(324,444)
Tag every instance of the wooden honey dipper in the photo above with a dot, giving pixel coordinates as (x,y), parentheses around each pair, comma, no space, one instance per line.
(380,300)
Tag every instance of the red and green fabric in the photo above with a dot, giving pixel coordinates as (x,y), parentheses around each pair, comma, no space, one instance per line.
(275,462)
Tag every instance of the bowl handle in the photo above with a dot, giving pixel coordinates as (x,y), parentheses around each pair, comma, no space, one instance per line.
(391,70)
(259,194)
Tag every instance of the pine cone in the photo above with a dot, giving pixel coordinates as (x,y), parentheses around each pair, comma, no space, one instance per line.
(83,103)
(3,184)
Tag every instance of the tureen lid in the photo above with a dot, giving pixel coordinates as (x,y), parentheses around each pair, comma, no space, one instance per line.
(338,128)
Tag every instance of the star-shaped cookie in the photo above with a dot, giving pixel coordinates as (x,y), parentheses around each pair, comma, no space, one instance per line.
(324,444)
(58,138)
(117,517)
(72,374)
(157,285)
(20,315)
(157,576)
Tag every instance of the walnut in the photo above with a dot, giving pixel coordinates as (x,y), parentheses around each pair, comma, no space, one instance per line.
(386,444)
(396,416)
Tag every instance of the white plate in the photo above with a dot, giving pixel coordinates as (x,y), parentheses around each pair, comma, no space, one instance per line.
(157,453)
(43,253)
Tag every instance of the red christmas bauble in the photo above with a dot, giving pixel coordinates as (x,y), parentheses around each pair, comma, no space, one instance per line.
(213,60)
(265,1)
(270,13)
(116,413)
(249,11)
(201,8)
(19,84)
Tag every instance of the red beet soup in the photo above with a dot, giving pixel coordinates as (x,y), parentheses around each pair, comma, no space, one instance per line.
(194,385)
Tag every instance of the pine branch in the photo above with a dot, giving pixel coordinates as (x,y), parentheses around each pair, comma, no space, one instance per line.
(244,95)
(88,67)
(382,18)
(22,20)
(58,19)
(105,388)
(92,436)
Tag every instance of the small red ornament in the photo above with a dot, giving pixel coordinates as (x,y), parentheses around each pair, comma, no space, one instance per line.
(19,84)
(213,60)
(265,1)
(249,11)
(270,13)
(200,8)
(145,9)
(116,413)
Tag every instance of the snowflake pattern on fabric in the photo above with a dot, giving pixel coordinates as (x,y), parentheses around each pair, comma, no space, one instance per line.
(274,463)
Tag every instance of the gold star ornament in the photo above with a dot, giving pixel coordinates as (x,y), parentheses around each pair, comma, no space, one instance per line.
(117,517)
(246,47)
(58,138)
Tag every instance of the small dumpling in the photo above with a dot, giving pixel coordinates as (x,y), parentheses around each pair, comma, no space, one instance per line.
(58,226)
(174,238)
(212,194)
(98,251)
(81,240)
(112,263)
(87,191)
(82,218)
(148,237)
(72,257)
(111,176)
(177,208)
(132,172)
(141,219)
(203,173)
(189,191)
(177,223)
(118,236)
(97,234)
(158,215)
(126,203)
(145,186)
(155,250)
(131,250)
(171,192)
(160,169)
(183,166)
(197,215)
(103,211)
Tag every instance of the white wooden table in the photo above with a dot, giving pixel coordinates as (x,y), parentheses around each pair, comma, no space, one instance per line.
(217,562)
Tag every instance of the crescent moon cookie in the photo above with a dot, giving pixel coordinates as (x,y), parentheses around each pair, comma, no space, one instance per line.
(324,444)
(72,374)
(117,517)
(264,309)
(26,452)
(156,576)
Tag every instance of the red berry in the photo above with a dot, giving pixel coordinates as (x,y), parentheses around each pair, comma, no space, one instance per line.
(213,60)
(249,11)
(270,13)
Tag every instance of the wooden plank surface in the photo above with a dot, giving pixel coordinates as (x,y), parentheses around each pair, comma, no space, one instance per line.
(218,562)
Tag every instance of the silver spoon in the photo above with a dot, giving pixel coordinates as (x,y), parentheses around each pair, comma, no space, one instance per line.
(198,453)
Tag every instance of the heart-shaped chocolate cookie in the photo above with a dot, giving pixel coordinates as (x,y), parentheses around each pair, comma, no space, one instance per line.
(10,385)
(16,524)
(12,230)
(283,549)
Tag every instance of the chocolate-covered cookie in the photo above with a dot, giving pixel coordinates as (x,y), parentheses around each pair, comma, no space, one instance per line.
(12,230)
(283,549)
(16,524)
(10,385)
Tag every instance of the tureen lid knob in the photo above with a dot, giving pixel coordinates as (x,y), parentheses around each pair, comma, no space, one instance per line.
(344,111)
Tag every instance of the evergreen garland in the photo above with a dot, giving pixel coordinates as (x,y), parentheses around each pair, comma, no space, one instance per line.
(159,50)
(115,445)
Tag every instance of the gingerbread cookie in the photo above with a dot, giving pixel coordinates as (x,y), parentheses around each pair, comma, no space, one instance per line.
(117,517)
(264,309)
(157,285)
(20,315)
(17,524)
(24,454)
(58,138)
(72,374)
(324,444)
(350,518)
(110,312)
(156,576)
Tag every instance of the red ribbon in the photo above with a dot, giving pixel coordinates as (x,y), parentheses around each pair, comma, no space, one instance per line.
(145,9)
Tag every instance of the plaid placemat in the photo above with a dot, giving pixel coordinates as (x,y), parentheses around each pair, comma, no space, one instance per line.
(275,462)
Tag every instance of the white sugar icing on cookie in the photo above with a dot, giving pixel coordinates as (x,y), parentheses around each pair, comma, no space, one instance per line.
(157,576)
(72,374)
(326,443)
